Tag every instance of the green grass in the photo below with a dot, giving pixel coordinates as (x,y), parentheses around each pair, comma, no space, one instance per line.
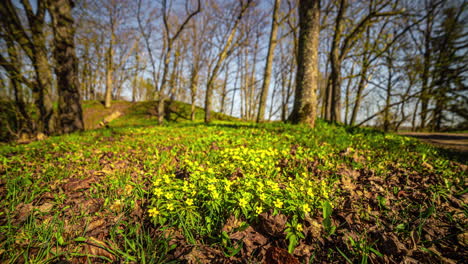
(139,192)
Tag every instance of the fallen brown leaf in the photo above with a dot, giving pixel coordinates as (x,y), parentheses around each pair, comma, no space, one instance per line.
(23,211)
(272,225)
(251,238)
(95,224)
(74,185)
(276,255)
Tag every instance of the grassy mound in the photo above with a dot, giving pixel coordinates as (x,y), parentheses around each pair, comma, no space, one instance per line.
(229,192)
(143,113)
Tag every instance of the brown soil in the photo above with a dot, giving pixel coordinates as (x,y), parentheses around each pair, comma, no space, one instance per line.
(94,115)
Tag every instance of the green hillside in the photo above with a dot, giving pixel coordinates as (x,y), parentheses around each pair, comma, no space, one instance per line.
(143,113)
(228,192)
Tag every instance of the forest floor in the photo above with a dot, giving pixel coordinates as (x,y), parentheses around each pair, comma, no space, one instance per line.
(230,192)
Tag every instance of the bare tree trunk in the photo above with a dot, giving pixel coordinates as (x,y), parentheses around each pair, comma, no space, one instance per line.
(70,112)
(388,97)
(220,59)
(347,95)
(269,62)
(252,102)
(245,84)
(34,46)
(234,92)
(224,90)
(109,78)
(339,52)
(110,65)
(305,101)
(272,102)
(173,78)
(287,91)
(426,68)
(135,77)
(44,75)
(335,60)
(193,89)
(414,125)
(25,123)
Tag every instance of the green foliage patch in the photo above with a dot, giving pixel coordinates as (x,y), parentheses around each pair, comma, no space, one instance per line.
(153,194)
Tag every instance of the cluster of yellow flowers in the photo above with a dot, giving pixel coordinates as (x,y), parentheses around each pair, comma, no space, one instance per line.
(249,180)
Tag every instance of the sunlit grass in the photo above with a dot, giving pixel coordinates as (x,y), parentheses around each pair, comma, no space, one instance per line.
(192,177)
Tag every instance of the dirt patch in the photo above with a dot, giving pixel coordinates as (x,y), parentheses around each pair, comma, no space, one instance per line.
(97,113)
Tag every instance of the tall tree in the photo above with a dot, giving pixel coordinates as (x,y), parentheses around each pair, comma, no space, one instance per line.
(342,44)
(13,69)
(32,40)
(450,66)
(220,58)
(70,113)
(305,101)
(169,40)
(269,62)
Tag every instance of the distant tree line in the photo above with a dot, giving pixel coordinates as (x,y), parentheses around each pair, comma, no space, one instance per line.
(387,63)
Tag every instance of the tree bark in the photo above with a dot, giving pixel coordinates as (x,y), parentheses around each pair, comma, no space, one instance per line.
(335,60)
(110,65)
(35,49)
(427,57)
(220,59)
(388,94)
(109,78)
(193,89)
(305,101)
(25,123)
(269,62)
(70,113)
(224,89)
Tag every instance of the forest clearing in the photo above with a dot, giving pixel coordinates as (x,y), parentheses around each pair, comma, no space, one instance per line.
(233,131)
(230,192)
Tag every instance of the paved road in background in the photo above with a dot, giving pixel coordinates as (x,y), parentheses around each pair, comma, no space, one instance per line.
(455,142)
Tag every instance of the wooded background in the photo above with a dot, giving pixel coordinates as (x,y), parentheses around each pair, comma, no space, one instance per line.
(387,63)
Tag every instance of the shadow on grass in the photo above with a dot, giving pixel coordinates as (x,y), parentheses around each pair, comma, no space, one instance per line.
(454,155)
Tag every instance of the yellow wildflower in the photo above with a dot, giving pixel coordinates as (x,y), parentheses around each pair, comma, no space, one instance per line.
(299,227)
(189,202)
(243,202)
(153,212)
(306,208)
(156,182)
(158,192)
(169,196)
(259,209)
(170,207)
(278,203)
(167,179)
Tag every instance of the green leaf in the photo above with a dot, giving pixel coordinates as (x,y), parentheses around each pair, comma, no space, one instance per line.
(344,256)
(292,243)
(60,240)
(80,239)
(327,209)
(376,252)
(400,227)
